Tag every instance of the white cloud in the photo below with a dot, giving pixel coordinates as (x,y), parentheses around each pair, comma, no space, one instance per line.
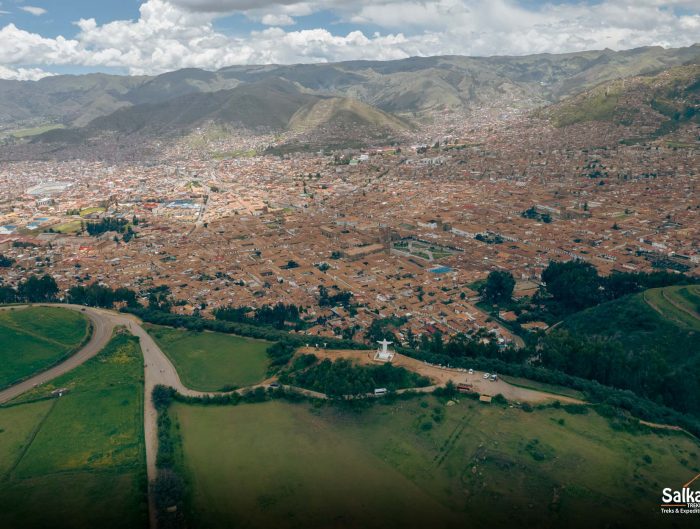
(36,11)
(281,19)
(23,74)
(172,34)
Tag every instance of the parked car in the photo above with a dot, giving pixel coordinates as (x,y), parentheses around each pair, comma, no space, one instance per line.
(471,371)
(487,375)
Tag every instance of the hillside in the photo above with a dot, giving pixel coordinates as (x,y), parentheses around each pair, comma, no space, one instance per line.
(657,103)
(343,111)
(651,341)
(407,86)
(424,462)
(271,105)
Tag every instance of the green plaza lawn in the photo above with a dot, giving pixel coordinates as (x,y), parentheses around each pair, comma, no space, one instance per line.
(35,338)
(286,465)
(78,461)
(210,361)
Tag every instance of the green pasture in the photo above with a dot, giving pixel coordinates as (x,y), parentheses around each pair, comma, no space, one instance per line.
(293,465)
(78,461)
(209,361)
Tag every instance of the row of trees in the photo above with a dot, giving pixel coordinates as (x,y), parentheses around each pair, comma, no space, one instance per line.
(34,289)
(595,392)
(97,295)
(498,287)
(328,299)
(278,316)
(576,285)
(96,229)
(263,332)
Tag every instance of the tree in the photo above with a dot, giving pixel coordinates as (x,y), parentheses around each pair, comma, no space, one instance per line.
(6,262)
(38,289)
(7,294)
(498,287)
(575,285)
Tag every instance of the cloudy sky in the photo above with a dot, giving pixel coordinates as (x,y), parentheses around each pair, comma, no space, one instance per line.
(44,37)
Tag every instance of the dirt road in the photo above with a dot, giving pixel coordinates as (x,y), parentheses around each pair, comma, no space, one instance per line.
(441,376)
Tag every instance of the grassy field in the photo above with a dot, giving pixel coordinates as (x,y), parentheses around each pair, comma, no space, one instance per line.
(89,211)
(78,461)
(294,465)
(72,226)
(36,338)
(34,131)
(208,361)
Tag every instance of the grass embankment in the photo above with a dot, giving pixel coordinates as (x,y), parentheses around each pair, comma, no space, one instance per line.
(679,304)
(209,361)
(78,461)
(35,338)
(290,465)
(543,386)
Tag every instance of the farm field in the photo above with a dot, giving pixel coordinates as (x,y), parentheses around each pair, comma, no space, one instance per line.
(35,338)
(286,465)
(208,361)
(89,211)
(81,457)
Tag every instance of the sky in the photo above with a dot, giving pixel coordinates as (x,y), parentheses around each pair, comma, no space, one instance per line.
(39,38)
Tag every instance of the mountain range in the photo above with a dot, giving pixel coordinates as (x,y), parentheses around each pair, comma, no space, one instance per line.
(384,97)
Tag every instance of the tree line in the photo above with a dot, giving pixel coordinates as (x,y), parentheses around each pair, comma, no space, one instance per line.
(279,316)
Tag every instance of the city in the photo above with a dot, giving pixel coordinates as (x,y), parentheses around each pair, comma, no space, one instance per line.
(358,265)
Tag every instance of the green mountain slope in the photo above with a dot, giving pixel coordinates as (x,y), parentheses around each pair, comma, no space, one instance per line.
(662,102)
(650,342)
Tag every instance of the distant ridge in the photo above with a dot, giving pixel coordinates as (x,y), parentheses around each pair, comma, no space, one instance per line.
(408,87)
(271,105)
